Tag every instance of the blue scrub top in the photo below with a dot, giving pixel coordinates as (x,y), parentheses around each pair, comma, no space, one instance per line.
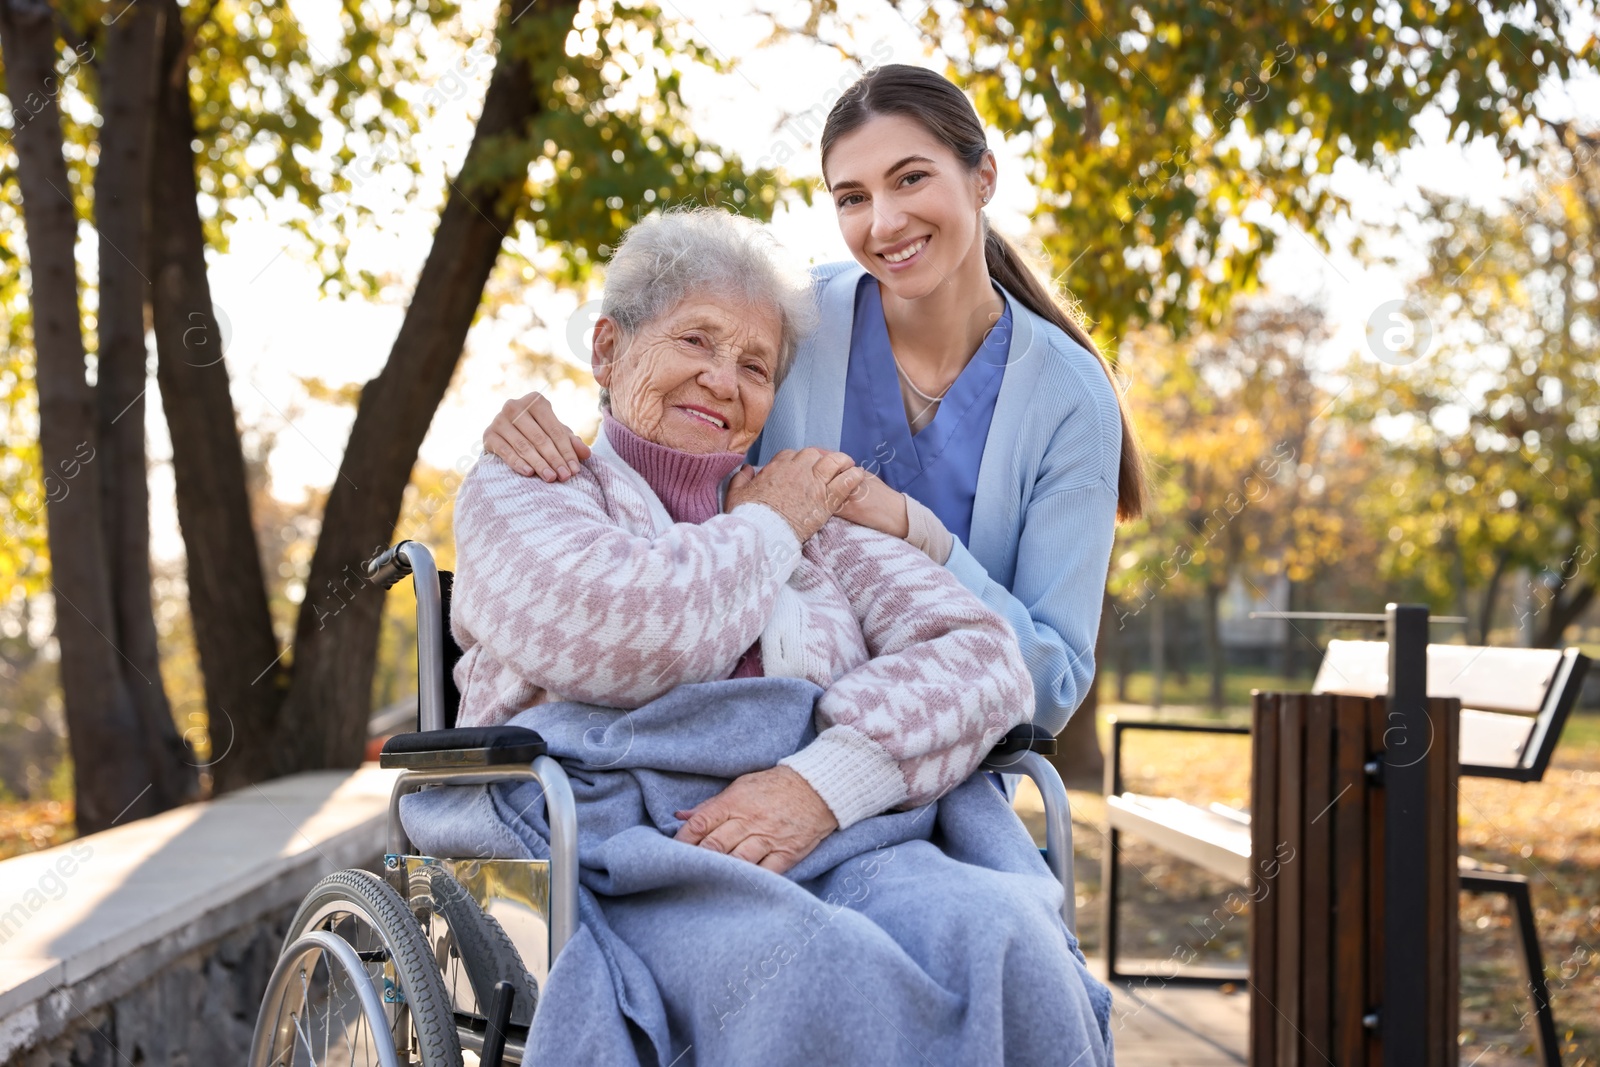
(939,464)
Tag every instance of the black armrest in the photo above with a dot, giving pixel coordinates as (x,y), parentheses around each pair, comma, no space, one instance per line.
(462,748)
(1019,739)
(1026,737)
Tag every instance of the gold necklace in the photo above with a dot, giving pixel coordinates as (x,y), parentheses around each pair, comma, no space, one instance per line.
(914,389)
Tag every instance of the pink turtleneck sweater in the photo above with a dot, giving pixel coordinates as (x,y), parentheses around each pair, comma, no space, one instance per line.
(690,487)
(688,483)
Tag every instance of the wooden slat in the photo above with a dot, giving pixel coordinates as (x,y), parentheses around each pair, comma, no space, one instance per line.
(1443,884)
(1451,921)
(1377,723)
(1289,849)
(1263,886)
(1315,956)
(1435,965)
(1350,880)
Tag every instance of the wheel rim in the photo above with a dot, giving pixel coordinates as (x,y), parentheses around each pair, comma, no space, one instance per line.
(357,929)
(323,1009)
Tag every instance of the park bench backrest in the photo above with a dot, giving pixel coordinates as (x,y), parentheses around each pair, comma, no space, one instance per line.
(1515,701)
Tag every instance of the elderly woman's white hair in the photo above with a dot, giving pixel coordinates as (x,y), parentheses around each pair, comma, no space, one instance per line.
(666,257)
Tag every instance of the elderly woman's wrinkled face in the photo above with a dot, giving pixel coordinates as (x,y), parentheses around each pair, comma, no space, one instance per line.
(700,378)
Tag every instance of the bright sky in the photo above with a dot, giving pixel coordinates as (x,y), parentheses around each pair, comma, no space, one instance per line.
(281,328)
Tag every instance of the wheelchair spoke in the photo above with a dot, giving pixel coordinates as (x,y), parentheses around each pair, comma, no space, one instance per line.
(351,1035)
(299,1018)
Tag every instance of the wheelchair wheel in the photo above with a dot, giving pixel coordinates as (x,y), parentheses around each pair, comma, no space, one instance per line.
(473,951)
(356,985)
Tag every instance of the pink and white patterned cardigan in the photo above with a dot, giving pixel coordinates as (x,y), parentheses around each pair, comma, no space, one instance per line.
(586,590)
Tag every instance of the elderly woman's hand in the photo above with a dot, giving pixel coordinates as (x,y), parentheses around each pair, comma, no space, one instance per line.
(805,487)
(772,818)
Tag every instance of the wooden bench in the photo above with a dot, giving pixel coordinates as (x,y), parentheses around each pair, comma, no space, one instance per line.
(1515,703)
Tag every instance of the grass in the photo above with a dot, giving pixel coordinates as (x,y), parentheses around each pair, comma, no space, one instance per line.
(1582,732)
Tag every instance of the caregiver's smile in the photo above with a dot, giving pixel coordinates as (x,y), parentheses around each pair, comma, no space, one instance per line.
(902,255)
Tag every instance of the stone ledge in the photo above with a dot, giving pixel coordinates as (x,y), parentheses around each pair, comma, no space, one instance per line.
(86,922)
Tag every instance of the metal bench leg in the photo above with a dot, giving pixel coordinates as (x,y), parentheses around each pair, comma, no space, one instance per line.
(1109,881)
(1515,888)
(1108,887)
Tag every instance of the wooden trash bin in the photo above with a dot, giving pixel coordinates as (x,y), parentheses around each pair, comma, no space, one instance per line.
(1353,953)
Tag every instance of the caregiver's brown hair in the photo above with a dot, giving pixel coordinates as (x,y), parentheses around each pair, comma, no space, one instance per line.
(946,113)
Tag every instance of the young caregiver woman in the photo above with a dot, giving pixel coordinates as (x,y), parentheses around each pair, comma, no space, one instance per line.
(945,367)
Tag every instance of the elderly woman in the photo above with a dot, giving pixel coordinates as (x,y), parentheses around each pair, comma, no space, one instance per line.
(666,563)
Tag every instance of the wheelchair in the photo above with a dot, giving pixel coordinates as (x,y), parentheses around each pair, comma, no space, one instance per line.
(437,962)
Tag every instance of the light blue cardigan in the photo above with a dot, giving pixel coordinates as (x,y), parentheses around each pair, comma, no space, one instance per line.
(1045,511)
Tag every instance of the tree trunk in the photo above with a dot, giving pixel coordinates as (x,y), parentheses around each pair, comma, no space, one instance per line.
(1458,571)
(1291,648)
(1490,592)
(1563,612)
(102,717)
(1078,755)
(1214,652)
(1177,644)
(336,637)
(128,78)
(1123,652)
(239,655)
(1158,649)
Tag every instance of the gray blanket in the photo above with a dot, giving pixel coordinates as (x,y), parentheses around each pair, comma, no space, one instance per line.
(931,936)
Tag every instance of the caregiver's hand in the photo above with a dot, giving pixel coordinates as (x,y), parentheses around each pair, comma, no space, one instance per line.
(772,818)
(877,506)
(529,437)
(805,487)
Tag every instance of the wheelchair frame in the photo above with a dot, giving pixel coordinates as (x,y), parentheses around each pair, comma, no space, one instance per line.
(441,754)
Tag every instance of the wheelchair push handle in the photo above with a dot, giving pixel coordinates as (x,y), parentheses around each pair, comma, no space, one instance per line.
(389,566)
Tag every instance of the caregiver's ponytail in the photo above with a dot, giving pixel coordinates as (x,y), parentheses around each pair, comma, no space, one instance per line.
(1007,267)
(945,112)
